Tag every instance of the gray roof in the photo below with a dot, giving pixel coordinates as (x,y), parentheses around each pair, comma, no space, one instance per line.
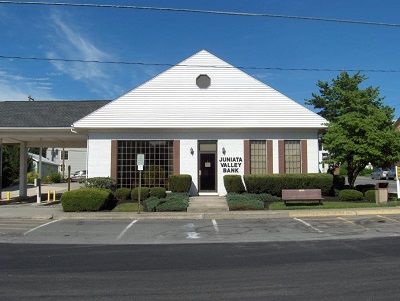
(46,113)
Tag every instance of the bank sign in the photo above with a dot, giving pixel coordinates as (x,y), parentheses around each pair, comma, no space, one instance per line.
(230,164)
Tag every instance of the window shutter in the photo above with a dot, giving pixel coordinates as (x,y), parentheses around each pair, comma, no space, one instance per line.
(176,157)
(270,156)
(281,149)
(304,167)
(246,155)
(114,158)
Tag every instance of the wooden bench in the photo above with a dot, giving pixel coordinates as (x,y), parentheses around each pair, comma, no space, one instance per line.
(301,195)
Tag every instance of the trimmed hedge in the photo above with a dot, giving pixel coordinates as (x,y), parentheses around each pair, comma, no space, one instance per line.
(339,182)
(180,183)
(123,194)
(350,195)
(370,195)
(158,192)
(244,202)
(144,193)
(365,187)
(87,199)
(177,203)
(151,203)
(99,182)
(234,183)
(273,184)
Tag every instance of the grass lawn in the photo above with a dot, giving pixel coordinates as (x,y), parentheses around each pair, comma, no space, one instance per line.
(127,207)
(330,205)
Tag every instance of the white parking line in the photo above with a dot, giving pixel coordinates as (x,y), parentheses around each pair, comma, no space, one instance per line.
(126,229)
(351,222)
(307,224)
(214,222)
(40,226)
(389,219)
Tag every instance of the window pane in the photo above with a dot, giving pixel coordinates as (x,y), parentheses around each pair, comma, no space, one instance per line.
(292,156)
(156,169)
(258,157)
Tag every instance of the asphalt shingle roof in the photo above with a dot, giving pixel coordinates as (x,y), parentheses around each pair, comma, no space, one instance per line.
(45,113)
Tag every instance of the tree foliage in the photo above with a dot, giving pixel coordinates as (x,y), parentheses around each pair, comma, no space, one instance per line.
(361,128)
(10,164)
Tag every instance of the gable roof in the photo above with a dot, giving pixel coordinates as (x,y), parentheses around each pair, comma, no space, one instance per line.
(173,100)
(44,160)
(44,114)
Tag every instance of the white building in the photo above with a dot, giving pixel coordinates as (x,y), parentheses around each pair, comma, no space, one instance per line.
(74,157)
(205,118)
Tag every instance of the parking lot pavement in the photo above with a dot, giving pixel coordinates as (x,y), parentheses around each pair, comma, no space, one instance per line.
(392,188)
(196,231)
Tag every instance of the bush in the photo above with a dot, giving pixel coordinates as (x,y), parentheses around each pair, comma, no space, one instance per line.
(350,195)
(151,203)
(123,194)
(176,203)
(87,199)
(53,178)
(264,197)
(144,193)
(180,183)
(273,184)
(339,182)
(99,182)
(31,176)
(234,183)
(365,187)
(158,192)
(370,196)
(244,202)
(127,207)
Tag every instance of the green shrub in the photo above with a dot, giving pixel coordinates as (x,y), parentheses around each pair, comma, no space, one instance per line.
(264,197)
(244,202)
(339,182)
(370,196)
(127,207)
(151,203)
(365,187)
(350,195)
(172,195)
(176,203)
(123,194)
(158,192)
(180,183)
(53,178)
(273,184)
(87,199)
(31,176)
(234,183)
(99,182)
(144,193)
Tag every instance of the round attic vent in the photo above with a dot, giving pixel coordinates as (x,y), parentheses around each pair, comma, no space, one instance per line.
(203,81)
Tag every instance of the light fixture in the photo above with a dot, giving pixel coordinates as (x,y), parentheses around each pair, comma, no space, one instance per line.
(191,151)
(223,150)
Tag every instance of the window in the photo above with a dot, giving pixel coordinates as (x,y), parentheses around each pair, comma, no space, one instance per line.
(203,81)
(258,157)
(292,156)
(158,163)
(64,155)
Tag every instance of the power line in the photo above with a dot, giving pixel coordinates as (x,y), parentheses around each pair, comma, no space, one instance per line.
(201,11)
(32,58)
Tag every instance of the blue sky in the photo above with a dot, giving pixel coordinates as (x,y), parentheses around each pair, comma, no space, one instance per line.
(107,34)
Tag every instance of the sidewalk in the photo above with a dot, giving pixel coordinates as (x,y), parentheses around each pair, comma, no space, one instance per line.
(34,211)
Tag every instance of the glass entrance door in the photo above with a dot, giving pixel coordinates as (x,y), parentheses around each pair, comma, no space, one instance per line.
(207,166)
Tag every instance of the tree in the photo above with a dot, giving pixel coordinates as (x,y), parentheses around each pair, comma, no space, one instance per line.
(10,164)
(361,128)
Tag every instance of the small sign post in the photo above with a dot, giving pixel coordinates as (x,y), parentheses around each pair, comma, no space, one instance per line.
(398,181)
(140,164)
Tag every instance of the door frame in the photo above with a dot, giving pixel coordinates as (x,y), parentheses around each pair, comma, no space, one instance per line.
(199,166)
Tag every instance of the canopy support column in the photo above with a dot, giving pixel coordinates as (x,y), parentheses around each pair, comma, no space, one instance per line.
(23,169)
(39,180)
(1,166)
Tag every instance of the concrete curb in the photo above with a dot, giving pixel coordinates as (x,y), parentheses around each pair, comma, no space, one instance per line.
(198,216)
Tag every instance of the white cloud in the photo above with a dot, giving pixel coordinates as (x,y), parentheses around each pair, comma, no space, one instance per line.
(68,42)
(14,86)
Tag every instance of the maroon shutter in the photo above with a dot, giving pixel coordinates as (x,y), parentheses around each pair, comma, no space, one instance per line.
(270,167)
(176,157)
(303,144)
(246,155)
(114,158)
(281,150)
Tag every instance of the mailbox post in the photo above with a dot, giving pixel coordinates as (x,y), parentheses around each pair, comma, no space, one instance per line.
(140,164)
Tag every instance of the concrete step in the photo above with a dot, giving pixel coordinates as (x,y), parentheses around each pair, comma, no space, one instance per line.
(207,204)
